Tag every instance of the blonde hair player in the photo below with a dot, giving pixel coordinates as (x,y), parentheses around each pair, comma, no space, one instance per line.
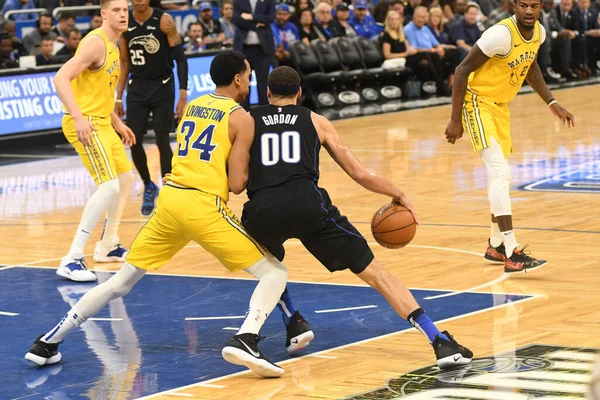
(485,82)
(86,86)
(211,158)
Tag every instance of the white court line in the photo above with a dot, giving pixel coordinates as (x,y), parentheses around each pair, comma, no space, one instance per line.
(213,318)
(324,356)
(179,394)
(105,319)
(302,282)
(231,328)
(454,293)
(9,314)
(345,309)
(208,385)
(534,297)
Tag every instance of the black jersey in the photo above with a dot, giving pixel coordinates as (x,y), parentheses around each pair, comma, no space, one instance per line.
(286,147)
(150,56)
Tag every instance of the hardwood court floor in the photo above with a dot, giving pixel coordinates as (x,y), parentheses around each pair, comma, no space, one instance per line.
(448,186)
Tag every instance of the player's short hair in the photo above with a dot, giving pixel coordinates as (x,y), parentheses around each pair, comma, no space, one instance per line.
(226,65)
(284,81)
(104,4)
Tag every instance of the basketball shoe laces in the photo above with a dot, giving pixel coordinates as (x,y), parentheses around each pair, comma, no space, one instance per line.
(522,256)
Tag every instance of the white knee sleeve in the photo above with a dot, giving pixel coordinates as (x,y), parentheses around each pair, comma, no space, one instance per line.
(269,267)
(499,179)
(126,180)
(109,190)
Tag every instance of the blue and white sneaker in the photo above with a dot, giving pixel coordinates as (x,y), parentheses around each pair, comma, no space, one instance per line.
(150,193)
(106,255)
(75,270)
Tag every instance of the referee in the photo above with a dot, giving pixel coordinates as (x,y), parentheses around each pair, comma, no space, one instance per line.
(147,52)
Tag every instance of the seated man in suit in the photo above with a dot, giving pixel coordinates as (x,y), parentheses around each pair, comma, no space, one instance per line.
(565,41)
(589,31)
(73,39)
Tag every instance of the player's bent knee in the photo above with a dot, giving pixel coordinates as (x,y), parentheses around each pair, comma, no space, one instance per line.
(374,275)
(122,282)
(126,179)
(110,188)
(270,268)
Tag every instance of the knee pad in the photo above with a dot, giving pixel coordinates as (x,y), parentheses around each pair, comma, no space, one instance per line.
(126,180)
(271,268)
(109,189)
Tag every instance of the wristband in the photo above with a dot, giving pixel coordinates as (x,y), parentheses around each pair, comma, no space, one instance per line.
(118,101)
(552,101)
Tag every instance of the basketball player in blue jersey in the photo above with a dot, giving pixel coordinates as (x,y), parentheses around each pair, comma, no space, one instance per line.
(213,149)
(286,202)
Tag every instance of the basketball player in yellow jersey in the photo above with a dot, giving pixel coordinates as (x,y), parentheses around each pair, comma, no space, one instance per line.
(211,158)
(484,83)
(86,86)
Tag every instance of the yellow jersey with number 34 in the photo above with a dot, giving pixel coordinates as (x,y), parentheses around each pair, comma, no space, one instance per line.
(501,77)
(95,89)
(203,145)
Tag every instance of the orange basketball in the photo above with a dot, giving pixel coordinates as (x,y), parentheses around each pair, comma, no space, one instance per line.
(393,226)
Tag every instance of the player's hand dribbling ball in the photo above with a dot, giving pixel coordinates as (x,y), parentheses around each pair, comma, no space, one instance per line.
(393,226)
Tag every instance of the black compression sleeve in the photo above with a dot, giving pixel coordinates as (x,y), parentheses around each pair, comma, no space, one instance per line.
(182,66)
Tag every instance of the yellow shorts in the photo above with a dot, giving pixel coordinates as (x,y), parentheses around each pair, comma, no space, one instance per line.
(483,119)
(184,215)
(105,158)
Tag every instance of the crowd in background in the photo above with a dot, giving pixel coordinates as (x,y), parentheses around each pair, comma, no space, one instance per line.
(429,36)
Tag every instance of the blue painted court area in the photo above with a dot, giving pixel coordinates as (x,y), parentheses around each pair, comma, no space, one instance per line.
(148,346)
(574,178)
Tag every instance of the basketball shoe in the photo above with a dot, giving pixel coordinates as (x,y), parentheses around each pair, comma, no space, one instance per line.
(299,333)
(75,270)
(106,255)
(42,353)
(520,261)
(449,353)
(495,255)
(243,350)
(150,193)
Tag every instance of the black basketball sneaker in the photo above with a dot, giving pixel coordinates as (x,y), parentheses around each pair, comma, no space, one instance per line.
(42,353)
(243,350)
(521,261)
(449,353)
(495,255)
(299,333)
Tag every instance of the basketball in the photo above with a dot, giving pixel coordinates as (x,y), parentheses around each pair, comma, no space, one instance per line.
(393,226)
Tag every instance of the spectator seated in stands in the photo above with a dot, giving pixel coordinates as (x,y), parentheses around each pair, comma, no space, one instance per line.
(423,40)
(73,39)
(193,40)
(33,40)
(10,28)
(309,31)
(227,23)
(395,48)
(459,7)
(438,27)
(498,14)
(548,20)
(398,6)
(589,31)
(45,55)
(564,41)
(465,32)
(95,22)
(328,25)
(299,6)
(6,52)
(379,13)
(66,21)
(211,28)
(12,5)
(284,33)
(362,22)
(342,15)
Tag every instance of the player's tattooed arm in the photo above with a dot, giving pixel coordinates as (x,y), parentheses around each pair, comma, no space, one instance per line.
(473,62)
(537,82)
(167,25)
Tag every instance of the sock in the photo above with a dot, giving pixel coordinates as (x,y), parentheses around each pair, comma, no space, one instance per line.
(496,238)
(510,242)
(420,320)
(94,300)
(115,211)
(286,307)
(95,206)
(272,277)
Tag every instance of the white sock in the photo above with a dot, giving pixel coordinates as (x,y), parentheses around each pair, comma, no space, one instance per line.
(495,235)
(94,208)
(114,213)
(510,242)
(93,301)
(272,278)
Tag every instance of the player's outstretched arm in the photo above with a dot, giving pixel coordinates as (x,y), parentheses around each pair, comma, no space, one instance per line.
(91,54)
(537,82)
(367,178)
(241,134)
(167,25)
(473,62)
(124,56)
